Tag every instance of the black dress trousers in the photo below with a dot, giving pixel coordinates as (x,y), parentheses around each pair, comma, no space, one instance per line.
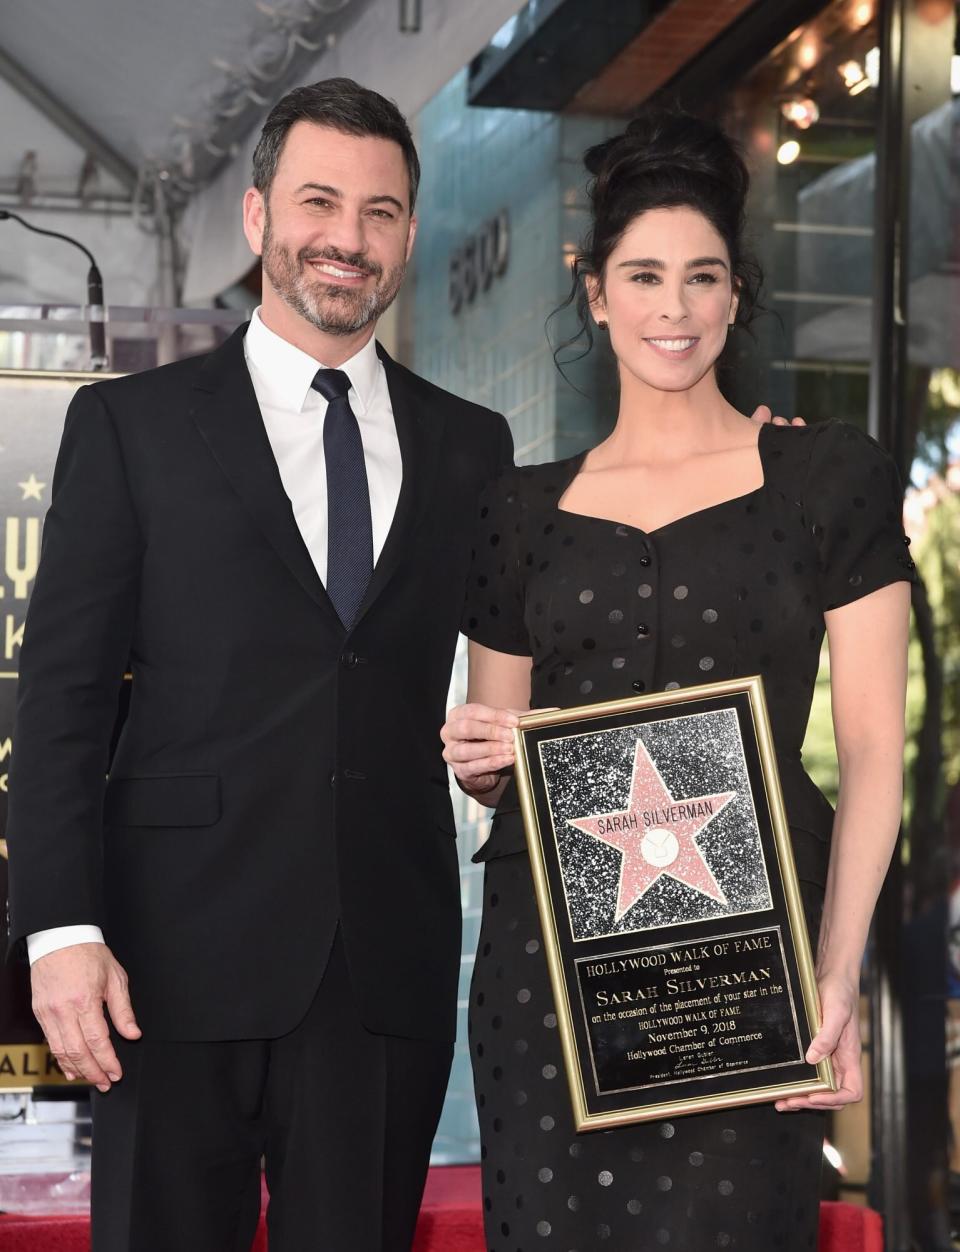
(343,1117)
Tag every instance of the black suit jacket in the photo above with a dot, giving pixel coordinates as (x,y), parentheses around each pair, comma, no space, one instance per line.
(275,774)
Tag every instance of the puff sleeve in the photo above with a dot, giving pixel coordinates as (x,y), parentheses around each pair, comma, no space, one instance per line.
(853,504)
(494,610)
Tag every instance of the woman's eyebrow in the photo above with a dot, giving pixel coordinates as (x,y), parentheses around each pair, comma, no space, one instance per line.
(652,263)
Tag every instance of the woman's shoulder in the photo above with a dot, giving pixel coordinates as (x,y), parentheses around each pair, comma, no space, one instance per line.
(827,435)
(812,458)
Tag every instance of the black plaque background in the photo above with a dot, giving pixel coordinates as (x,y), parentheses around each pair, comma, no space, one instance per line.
(686,934)
(32,413)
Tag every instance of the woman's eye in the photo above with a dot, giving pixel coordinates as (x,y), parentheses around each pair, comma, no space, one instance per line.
(704,278)
(646,277)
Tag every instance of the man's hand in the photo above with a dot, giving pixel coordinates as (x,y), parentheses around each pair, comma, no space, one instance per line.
(70,987)
(478,744)
(764,415)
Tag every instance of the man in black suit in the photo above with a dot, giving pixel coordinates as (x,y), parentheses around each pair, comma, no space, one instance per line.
(275,538)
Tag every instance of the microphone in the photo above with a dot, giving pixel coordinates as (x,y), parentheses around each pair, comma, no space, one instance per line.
(98,346)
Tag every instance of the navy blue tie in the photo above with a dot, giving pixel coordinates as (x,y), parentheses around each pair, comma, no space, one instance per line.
(349,528)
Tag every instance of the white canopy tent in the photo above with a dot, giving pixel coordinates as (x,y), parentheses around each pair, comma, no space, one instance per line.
(101,98)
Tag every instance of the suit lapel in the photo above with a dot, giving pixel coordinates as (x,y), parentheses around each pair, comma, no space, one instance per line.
(228,417)
(419,429)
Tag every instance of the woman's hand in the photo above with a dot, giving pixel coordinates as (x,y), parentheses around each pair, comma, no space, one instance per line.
(478,744)
(838,1038)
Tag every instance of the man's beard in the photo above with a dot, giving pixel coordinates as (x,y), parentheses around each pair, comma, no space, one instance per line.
(330,308)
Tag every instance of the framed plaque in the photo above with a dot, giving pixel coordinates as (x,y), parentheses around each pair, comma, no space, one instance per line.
(674,933)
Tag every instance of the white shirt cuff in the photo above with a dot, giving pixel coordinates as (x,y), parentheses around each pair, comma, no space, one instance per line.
(43,942)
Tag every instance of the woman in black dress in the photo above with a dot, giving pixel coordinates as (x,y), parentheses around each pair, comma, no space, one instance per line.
(690,545)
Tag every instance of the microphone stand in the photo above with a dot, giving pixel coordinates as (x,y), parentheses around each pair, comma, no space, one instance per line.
(98,346)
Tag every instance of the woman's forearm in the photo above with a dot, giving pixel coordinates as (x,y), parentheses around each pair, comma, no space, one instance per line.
(869,809)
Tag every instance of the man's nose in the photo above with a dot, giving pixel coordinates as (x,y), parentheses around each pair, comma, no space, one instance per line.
(347,233)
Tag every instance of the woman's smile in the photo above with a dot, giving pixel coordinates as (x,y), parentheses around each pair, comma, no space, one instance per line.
(674,349)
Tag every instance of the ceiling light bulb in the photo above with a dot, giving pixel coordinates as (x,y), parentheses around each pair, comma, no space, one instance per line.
(807,55)
(788,152)
(803,113)
(852,73)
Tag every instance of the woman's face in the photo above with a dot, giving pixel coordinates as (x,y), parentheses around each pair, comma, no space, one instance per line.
(667,298)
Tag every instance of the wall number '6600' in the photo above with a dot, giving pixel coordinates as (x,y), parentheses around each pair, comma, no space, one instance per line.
(476,263)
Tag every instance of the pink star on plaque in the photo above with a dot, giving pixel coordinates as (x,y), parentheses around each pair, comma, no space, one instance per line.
(656,834)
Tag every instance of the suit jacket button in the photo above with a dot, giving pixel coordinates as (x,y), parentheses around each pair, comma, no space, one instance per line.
(349,660)
(333,778)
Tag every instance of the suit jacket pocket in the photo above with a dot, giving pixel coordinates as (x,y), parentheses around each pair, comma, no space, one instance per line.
(163,800)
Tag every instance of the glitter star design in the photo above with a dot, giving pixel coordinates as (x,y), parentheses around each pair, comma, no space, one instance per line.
(31,488)
(656,834)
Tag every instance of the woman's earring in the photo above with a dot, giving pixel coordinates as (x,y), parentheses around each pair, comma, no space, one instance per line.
(602,325)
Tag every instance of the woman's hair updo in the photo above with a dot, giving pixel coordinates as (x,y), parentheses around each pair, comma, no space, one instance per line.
(666,159)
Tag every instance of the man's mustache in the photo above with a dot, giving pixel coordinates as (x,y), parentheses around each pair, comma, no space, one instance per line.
(353,259)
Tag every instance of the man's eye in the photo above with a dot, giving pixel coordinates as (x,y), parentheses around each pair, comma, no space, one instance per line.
(384,213)
(320,201)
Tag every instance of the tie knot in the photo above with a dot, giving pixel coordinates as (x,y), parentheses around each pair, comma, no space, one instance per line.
(332,384)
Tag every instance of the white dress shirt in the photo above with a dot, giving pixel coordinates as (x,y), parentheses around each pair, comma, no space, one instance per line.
(293,415)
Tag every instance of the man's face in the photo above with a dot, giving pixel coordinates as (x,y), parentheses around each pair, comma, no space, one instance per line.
(335,231)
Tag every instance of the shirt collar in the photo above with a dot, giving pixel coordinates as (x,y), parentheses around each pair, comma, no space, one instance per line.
(291,371)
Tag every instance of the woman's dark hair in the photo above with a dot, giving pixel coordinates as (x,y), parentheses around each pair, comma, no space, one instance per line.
(343,105)
(665,159)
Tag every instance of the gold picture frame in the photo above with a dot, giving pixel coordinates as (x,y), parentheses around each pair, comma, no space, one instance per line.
(680,923)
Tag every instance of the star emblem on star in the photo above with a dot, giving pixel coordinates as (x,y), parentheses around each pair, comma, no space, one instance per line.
(32,488)
(657,834)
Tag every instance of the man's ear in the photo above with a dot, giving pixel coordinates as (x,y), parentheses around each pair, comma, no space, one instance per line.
(411,235)
(254,219)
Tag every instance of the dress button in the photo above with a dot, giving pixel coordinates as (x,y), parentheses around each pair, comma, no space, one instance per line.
(643,628)
(639,685)
(644,560)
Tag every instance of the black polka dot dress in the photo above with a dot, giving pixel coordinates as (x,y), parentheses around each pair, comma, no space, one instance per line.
(606,611)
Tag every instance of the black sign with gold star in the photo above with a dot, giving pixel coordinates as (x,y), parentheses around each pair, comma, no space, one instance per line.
(32,410)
